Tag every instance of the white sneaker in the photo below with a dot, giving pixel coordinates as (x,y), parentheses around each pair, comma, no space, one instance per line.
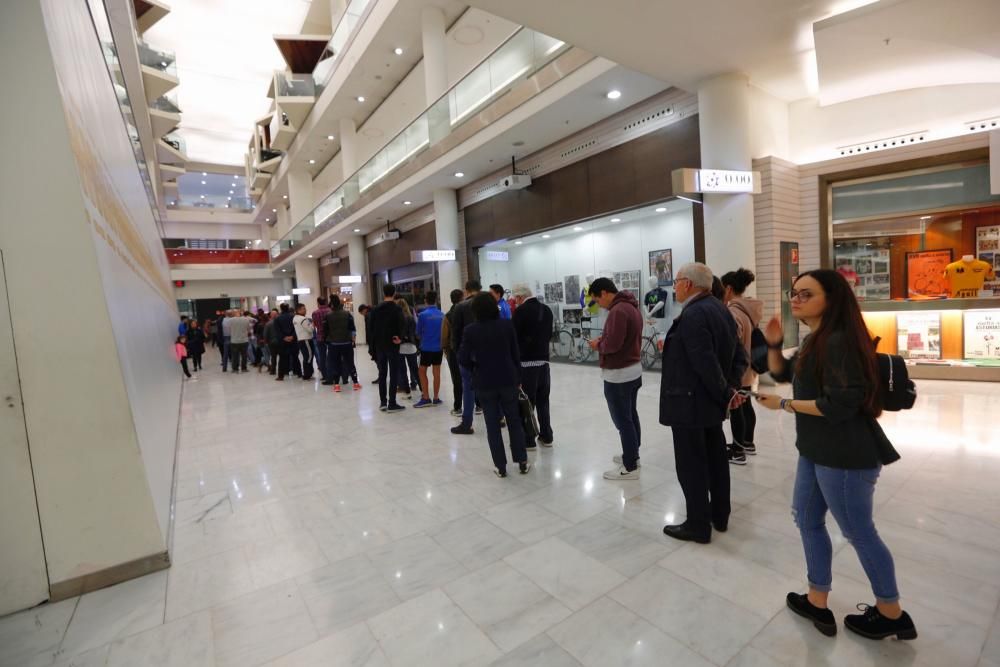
(617,458)
(620,473)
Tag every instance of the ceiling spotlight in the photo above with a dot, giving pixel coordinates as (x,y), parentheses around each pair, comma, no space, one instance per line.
(257,241)
(614,94)
(227,205)
(274,210)
(232,185)
(329,137)
(518,242)
(267,219)
(407,202)
(616,219)
(284,196)
(459,174)
(334,243)
(309,256)
(229,199)
(546,236)
(361,98)
(204,173)
(578,229)
(312,161)
(203,182)
(231,192)
(283,270)
(398,51)
(203,196)
(661,210)
(357,230)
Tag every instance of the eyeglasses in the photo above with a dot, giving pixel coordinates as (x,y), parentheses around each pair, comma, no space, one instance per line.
(797,295)
(680,279)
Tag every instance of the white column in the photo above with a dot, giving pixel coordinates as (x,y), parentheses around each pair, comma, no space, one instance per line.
(300,195)
(446,231)
(357,255)
(724,125)
(307,275)
(434,39)
(337,9)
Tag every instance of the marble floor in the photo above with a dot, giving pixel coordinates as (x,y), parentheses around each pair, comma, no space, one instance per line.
(312,529)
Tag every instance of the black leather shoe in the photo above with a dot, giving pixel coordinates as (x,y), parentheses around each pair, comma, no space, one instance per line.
(872,624)
(822,618)
(462,429)
(682,532)
(720,527)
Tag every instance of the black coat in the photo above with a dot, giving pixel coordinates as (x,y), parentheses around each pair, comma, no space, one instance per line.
(703,362)
(195,340)
(490,350)
(533,323)
(387,322)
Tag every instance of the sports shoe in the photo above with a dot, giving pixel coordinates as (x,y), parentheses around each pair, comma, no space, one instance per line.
(456,413)
(523,468)
(395,407)
(382,408)
(375,381)
(499,473)
(336,388)
(357,386)
(462,429)
(548,443)
(437,401)
(822,619)
(750,448)
(423,403)
(617,458)
(503,423)
(736,455)
(872,624)
(479,410)
(620,473)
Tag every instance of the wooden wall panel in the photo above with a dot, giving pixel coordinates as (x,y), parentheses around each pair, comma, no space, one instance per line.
(612,178)
(391,254)
(952,340)
(568,188)
(882,325)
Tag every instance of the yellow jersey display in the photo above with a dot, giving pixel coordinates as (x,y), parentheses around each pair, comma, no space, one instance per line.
(966,278)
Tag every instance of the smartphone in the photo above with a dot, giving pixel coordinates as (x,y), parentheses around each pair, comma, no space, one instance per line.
(744,392)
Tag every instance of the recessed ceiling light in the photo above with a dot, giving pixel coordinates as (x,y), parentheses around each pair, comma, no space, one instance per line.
(407,202)
(334,243)
(204,173)
(229,199)
(274,210)
(614,94)
(203,182)
(578,229)
(283,270)
(616,219)
(398,51)
(361,98)
(357,230)
(267,219)
(309,256)
(661,210)
(232,185)
(518,242)
(329,137)
(284,196)
(459,174)
(546,236)
(232,192)
(203,196)
(227,205)
(312,161)
(257,241)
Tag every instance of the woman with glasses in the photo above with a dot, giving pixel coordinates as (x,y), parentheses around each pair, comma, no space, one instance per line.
(841,447)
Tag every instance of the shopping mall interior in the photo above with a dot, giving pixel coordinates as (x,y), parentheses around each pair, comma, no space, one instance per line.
(189,159)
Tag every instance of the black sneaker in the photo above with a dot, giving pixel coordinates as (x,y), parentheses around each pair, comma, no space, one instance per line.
(736,455)
(499,473)
(749,448)
(524,467)
(395,407)
(382,408)
(822,618)
(872,624)
(462,429)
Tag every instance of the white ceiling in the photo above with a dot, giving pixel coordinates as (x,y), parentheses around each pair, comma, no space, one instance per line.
(226,57)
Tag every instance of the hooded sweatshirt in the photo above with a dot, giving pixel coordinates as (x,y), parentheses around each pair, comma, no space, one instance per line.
(619,346)
(748,313)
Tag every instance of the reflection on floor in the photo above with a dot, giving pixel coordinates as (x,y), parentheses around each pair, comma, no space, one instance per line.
(313,530)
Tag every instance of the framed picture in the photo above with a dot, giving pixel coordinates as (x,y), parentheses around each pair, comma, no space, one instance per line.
(553,292)
(661,265)
(981,334)
(925,274)
(918,335)
(572,290)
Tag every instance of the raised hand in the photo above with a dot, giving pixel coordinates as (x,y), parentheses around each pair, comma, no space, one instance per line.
(772,332)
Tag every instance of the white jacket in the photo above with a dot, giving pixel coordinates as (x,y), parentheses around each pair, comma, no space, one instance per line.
(303,327)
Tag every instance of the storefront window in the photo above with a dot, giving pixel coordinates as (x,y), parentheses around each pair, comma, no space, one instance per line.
(638,249)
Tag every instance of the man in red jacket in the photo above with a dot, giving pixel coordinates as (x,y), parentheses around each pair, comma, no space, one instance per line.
(621,371)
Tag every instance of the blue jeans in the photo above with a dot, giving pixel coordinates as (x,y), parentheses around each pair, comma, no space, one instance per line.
(322,349)
(225,352)
(468,396)
(849,495)
(622,398)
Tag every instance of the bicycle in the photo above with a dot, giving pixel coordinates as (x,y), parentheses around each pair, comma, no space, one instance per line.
(649,351)
(565,345)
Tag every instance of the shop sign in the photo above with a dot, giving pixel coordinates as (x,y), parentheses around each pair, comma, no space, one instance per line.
(432,255)
(715,181)
(982,334)
(284,297)
(301,290)
(346,280)
(497,256)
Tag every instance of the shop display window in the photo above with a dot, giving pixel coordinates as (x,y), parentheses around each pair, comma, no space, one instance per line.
(638,249)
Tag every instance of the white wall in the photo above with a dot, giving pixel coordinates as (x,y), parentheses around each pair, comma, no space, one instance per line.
(768,125)
(214,289)
(101,388)
(205,230)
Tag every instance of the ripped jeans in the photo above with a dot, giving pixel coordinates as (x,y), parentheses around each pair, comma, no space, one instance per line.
(849,495)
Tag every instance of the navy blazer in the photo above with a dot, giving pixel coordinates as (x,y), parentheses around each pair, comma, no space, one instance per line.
(703,362)
(490,350)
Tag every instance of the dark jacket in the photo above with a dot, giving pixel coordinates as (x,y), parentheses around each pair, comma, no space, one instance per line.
(533,323)
(386,322)
(461,317)
(285,324)
(409,329)
(620,341)
(271,334)
(338,326)
(490,350)
(195,341)
(703,363)
(844,437)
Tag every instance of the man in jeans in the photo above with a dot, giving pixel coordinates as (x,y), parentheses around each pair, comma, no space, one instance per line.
(533,324)
(703,363)
(621,370)
(461,319)
(386,333)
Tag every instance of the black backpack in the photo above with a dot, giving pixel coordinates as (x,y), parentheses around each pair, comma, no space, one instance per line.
(896,389)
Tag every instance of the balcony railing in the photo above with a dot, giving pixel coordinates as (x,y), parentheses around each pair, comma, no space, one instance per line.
(158,59)
(294,85)
(342,34)
(164,104)
(516,59)
(180,256)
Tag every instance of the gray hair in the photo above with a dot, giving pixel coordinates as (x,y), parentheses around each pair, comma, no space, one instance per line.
(699,274)
(522,290)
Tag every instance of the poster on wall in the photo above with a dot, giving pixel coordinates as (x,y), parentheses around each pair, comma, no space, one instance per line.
(918,335)
(628,281)
(661,265)
(572,290)
(865,265)
(553,292)
(988,250)
(925,274)
(982,334)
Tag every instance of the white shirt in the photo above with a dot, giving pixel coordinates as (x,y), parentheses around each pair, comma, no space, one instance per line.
(303,327)
(620,375)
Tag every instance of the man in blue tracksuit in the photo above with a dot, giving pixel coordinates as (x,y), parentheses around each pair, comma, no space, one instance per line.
(429,334)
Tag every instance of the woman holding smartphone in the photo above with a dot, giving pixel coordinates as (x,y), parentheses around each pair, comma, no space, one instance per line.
(841,450)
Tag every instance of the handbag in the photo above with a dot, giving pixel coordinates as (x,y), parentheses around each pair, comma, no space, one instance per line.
(528,419)
(895,388)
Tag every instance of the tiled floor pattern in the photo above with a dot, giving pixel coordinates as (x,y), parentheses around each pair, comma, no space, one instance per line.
(313,530)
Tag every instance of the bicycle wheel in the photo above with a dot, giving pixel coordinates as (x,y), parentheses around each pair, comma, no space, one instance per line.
(648,354)
(583,351)
(564,347)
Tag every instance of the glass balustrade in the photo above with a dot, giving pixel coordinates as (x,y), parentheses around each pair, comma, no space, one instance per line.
(165,104)
(516,59)
(176,141)
(158,59)
(294,85)
(338,42)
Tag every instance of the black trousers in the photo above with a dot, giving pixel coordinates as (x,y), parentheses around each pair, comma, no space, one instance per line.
(238,352)
(184,366)
(389,362)
(536,381)
(272,364)
(288,359)
(743,421)
(196,360)
(703,472)
(305,349)
(456,379)
(499,403)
